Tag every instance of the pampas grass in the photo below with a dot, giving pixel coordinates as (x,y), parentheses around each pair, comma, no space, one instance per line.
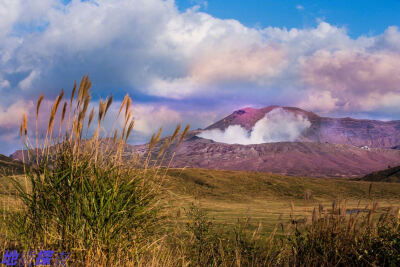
(80,195)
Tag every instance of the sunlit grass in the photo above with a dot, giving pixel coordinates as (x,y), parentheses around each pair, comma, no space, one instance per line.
(82,193)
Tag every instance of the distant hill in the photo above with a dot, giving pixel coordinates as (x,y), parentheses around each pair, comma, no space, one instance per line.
(10,166)
(391,175)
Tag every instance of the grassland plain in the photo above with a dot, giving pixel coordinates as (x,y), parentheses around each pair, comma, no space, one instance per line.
(262,197)
(269,198)
(262,200)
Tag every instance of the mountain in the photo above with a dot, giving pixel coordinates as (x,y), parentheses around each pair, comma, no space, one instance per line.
(371,133)
(10,166)
(387,175)
(327,147)
(289,158)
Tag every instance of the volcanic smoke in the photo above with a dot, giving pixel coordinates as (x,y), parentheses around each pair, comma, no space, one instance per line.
(277,126)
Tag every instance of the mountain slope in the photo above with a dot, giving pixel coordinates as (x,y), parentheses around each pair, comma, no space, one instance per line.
(329,147)
(371,133)
(10,166)
(387,175)
(289,158)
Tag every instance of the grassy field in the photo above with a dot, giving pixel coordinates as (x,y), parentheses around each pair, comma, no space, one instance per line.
(262,197)
(269,198)
(107,211)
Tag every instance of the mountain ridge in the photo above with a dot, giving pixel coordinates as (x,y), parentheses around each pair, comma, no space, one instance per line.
(329,147)
(357,132)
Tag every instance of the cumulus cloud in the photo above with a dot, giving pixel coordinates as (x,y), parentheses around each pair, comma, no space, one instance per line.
(353,80)
(220,66)
(157,53)
(11,116)
(277,126)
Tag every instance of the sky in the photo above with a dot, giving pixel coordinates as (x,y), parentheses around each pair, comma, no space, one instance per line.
(197,61)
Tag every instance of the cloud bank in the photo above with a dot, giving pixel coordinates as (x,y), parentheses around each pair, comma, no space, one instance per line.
(277,126)
(188,64)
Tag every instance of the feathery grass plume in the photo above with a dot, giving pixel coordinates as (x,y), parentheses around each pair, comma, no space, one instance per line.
(25,124)
(127,118)
(87,86)
(157,138)
(128,105)
(82,113)
(39,102)
(102,107)
(54,111)
(185,131)
(86,104)
(109,102)
(82,85)
(152,142)
(73,92)
(91,115)
(129,130)
(123,104)
(124,130)
(64,110)
(163,147)
(175,134)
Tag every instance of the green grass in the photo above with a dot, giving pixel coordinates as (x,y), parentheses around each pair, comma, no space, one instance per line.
(263,197)
(9,166)
(79,195)
(230,206)
(268,198)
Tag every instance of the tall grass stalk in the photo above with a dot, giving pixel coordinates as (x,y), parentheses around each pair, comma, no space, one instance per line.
(81,195)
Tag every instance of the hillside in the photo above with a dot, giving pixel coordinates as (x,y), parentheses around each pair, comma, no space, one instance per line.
(10,166)
(372,133)
(388,175)
(288,158)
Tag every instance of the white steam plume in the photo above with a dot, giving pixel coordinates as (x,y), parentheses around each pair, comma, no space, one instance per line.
(277,126)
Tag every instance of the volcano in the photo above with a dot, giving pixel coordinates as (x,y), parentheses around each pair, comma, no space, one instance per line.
(309,144)
(349,131)
(328,147)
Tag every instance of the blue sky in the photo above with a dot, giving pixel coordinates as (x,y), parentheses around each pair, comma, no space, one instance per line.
(197,61)
(368,17)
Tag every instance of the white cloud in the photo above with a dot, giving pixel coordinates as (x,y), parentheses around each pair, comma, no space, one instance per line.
(11,116)
(353,80)
(277,126)
(150,49)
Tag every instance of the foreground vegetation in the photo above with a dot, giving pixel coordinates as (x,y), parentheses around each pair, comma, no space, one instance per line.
(79,195)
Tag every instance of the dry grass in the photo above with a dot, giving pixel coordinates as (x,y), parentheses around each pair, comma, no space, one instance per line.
(80,194)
